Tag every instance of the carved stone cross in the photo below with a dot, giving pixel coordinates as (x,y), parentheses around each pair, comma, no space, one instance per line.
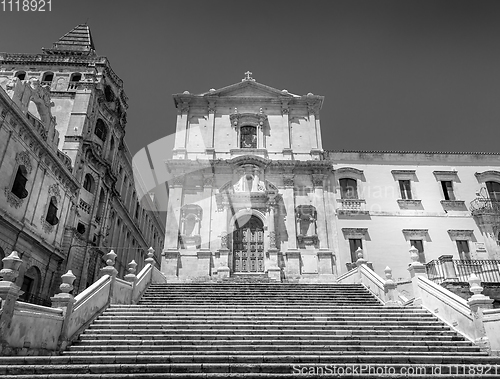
(248,76)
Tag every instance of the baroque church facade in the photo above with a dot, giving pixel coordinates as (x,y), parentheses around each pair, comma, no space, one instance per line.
(68,191)
(253,193)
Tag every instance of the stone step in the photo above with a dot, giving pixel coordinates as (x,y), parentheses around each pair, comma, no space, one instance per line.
(338,349)
(158,357)
(167,329)
(342,332)
(327,340)
(275,325)
(238,345)
(262,318)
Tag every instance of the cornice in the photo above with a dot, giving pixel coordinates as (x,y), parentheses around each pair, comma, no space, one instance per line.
(411,152)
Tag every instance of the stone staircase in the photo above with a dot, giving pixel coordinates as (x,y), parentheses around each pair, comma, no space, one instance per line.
(261,330)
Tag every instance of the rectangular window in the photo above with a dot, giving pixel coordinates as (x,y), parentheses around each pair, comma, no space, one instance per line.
(463,250)
(419,245)
(354,244)
(405,188)
(447,186)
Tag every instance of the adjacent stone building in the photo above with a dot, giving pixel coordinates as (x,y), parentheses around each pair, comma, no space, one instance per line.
(254,193)
(68,191)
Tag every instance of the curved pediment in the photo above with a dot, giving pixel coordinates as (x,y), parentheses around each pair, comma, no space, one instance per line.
(250,159)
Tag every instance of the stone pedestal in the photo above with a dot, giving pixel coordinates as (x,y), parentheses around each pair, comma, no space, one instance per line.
(292,268)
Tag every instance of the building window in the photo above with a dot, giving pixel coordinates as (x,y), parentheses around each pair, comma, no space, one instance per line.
(80,228)
(419,245)
(493,190)
(447,186)
(348,188)
(100,130)
(88,183)
(108,94)
(19,186)
(21,75)
(405,188)
(51,217)
(48,77)
(76,77)
(248,137)
(355,244)
(463,249)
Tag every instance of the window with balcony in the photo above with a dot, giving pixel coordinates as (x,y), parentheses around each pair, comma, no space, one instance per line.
(348,188)
(493,190)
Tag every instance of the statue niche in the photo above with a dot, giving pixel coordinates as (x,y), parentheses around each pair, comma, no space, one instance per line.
(191,215)
(305,218)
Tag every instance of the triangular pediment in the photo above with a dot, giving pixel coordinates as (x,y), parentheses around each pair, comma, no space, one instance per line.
(249,88)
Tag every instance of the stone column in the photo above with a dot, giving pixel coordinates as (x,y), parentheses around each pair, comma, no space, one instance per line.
(65,301)
(111,271)
(320,209)
(273,271)
(208,183)
(9,293)
(181,129)
(211,125)
(173,214)
(416,269)
(289,200)
(477,303)
(390,289)
(223,270)
(132,278)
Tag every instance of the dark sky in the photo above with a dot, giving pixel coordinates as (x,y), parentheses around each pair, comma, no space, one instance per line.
(396,75)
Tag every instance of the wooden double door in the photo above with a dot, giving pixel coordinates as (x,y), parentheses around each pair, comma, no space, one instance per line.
(248,246)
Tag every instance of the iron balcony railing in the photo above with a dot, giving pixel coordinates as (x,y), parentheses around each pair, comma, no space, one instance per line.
(482,206)
(458,270)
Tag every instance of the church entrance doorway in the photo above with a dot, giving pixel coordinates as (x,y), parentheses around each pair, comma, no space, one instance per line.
(248,246)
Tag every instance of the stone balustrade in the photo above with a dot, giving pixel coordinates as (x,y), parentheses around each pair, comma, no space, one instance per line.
(473,317)
(27,329)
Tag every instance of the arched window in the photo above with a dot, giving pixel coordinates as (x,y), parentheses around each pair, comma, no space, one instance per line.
(80,228)
(88,183)
(493,190)
(47,77)
(21,75)
(100,130)
(108,94)
(51,217)
(19,186)
(76,77)
(348,188)
(248,137)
